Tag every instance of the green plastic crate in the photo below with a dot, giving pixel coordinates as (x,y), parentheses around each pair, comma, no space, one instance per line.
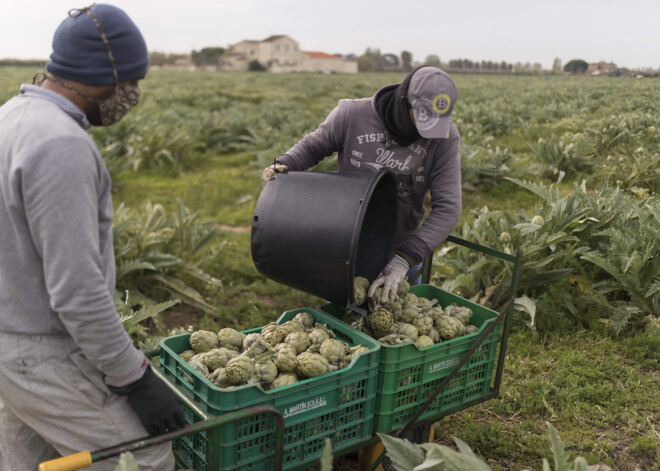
(407,376)
(338,405)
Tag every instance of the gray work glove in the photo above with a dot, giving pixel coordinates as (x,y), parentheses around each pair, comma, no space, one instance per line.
(389,279)
(270,171)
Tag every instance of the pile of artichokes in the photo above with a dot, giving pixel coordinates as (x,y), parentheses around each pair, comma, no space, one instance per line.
(279,355)
(408,318)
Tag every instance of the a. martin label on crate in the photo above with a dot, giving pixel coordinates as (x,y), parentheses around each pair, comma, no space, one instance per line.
(305,406)
(444,364)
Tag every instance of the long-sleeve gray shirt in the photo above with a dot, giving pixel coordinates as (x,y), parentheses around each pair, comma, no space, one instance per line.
(355,131)
(57,268)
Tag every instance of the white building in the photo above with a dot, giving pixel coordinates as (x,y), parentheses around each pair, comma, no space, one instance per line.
(280,53)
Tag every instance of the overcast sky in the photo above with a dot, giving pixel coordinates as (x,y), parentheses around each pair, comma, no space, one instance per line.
(626,32)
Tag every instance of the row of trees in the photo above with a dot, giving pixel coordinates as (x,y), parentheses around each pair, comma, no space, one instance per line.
(375,60)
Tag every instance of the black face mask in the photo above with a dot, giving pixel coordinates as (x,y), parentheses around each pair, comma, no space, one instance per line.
(394,110)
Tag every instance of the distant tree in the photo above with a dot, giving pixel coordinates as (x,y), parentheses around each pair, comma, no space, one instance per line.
(371,60)
(576,66)
(160,59)
(406,61)
(432,59)
(390,61)
(351,57)
(207,56)
(556,65)
(256,66)
(157,58)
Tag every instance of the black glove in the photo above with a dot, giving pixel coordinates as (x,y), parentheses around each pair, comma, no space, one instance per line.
(154,403)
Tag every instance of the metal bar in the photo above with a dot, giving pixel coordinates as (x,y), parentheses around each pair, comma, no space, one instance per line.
(454,372)
(507,322)
(481,248)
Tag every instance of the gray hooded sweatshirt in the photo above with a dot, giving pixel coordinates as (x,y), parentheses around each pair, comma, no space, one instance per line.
(57,267)
(355,131)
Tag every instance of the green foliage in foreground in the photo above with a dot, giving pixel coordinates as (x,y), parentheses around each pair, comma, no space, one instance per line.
(407,456)
(615,232)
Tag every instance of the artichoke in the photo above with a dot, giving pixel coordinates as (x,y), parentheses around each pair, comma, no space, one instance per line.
(408,331)
(269,327)
(393,339)
(402,288)
(538,220)
(257,348)
(318,336)
(265,372)
(273,337)
(505,238)
(231,338)
(186,355)
(289,327)
(334,351)
(463,314)
(436,312)
(199,367)
(360,288)
(203,341)
(305,319)
(249,339)
(310,365)
(217,358)
(298,340)
(283,379)
(423,323)
(409,313)
(433,333)
(352,353)
(219,378)
(471,329)
(285,357)
(239,369)
(381,321)
(423,341)
(449,327)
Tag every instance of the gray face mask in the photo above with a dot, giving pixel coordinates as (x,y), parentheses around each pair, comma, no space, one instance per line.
(123,99)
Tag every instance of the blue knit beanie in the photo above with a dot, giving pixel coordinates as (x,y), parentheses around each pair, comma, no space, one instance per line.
(79,53)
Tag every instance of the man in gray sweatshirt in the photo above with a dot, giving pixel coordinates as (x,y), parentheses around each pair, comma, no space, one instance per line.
(70,377)
(407,128)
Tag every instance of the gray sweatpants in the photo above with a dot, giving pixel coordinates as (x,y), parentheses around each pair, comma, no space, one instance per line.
(56,403)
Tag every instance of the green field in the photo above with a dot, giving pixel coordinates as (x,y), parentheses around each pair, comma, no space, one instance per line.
(581,152)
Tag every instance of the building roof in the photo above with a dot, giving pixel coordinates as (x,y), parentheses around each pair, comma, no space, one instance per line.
(321,55)
(275,37)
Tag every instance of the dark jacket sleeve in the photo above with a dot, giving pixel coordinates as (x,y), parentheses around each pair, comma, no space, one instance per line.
(327,139)
(446,200)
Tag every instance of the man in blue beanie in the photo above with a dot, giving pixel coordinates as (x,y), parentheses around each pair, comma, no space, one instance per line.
(70,377)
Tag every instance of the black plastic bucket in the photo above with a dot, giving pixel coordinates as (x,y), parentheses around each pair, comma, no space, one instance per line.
(317,231)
